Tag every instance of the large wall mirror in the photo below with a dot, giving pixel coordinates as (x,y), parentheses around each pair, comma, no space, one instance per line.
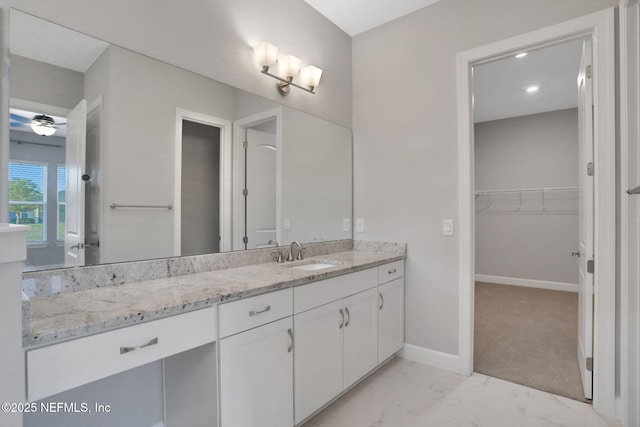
(116,156)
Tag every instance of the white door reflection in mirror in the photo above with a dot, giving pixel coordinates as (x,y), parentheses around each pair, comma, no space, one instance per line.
(257,172)
(74,197)
(261,154)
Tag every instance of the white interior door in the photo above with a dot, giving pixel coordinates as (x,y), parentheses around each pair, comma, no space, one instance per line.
(261,188)
(586,227)
(74,193)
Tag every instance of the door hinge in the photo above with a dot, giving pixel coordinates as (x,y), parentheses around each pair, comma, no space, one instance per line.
(245,240)
(590,364)
(590,169)
(588,71)
(245,144)
(590,266)
(245,192)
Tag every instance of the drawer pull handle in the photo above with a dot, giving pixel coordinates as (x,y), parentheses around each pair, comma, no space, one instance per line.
(256,312)
(124,350)
(395,270)
(381,302)
(290,349)
(348,317)
(341,323)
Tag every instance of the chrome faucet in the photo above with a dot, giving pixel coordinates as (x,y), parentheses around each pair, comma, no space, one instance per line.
(299,255)
(277,255)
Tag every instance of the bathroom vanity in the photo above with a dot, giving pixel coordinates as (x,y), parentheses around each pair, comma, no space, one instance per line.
(242,340)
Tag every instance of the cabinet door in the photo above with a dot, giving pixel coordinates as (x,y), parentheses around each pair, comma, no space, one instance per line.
(318,361)
(360,335)
(390,319)
(256,377)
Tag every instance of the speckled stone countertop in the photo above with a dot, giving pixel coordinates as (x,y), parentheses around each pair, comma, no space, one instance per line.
(67,315)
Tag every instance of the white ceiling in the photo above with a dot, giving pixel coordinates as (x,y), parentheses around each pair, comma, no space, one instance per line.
(500,86)
(43,41)
(357,16)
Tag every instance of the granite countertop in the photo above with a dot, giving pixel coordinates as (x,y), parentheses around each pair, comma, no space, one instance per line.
(68,315)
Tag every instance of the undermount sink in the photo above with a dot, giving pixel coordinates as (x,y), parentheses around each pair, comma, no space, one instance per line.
(314,265)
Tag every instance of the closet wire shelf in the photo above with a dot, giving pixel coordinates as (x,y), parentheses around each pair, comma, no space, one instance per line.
(550,200)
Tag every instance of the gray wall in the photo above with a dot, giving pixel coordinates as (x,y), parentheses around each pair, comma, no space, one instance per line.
(405,139)
(200,215)
(215,39)
(44,83)
(138,165)
(539,150)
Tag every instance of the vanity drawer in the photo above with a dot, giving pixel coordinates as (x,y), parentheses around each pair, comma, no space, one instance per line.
(391,271)
(319,293)
(70,364)
(238,316)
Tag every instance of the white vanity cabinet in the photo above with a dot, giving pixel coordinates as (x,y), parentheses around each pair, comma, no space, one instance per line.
(390,309)
(256,362)
(336,343)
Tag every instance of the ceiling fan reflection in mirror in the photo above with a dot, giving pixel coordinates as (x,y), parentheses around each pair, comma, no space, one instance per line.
(40,124)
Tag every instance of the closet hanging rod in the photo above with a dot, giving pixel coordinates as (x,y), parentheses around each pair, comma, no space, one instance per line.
(525,190)
(634,190)
(116,206)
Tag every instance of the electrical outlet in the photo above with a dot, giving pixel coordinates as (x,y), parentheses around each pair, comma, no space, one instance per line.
(360,225)
(346,224)
(447,227)
(286,223)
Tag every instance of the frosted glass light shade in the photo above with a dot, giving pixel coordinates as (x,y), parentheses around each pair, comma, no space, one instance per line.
(310,76)
(289,66)
(43,130)
(266,54)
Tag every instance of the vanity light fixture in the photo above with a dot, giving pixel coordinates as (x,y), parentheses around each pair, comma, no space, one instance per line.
(266,56)
(43,125)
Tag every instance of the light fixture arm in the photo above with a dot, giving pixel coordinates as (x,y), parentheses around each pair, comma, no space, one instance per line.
(283,85)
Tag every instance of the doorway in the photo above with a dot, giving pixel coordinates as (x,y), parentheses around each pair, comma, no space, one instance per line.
(526,140)
(202,207)
(599,27)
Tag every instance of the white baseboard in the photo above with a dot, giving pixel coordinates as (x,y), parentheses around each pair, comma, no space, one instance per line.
(426,356)
(159,424)
(540,284)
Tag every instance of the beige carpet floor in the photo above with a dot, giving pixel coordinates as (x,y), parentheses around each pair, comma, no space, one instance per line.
(528,336)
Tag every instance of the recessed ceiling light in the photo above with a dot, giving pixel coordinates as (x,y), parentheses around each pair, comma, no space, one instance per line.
(533,89)
(521,55)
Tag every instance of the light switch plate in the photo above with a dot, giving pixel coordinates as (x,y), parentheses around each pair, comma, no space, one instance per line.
(447,227)
(346,224)
(286,223)
(360,225)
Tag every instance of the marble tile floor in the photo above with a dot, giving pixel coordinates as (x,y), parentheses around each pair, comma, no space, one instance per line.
(408,394)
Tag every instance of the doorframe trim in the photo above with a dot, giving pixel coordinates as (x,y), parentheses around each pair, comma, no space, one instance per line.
(225,176)
(238,126)
(600,26)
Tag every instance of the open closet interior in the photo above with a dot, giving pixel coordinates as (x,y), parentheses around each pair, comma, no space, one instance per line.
(527,204)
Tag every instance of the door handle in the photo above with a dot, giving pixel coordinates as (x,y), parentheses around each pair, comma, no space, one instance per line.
(576,254)
(77,246)
(348,317)
(341,323)
(381,302)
